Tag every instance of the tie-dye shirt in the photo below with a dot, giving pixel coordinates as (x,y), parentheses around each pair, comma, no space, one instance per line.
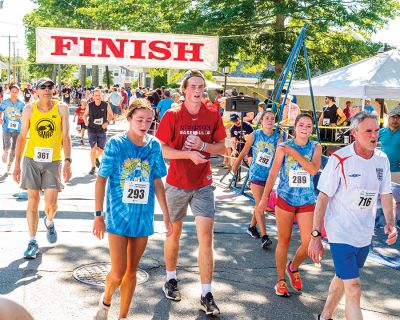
(290,174)
(124,161)
(262,163)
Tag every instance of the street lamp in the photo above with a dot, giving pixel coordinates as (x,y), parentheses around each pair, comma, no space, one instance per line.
(226,70)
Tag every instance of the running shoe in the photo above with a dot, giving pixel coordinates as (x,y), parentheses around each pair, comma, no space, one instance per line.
(32,250)
(253,232)
(208,305)
(281,289)
(265,242)
(102,310)
(51,232)
(294,277)
(92,171)
(171,290)
(4,157)
(97,163)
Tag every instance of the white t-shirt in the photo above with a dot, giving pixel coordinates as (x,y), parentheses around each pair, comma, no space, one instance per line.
(353,185)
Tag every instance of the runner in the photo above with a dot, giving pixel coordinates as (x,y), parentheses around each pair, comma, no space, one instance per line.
(66,94)
(133,165)
(262,143)
(27,93)
(81,126)
(47,123)
(188,134)
(99,113)
(349,187)
(296,161)
(12,108)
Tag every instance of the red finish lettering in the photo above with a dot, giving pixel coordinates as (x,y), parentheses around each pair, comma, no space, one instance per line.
(61,42)
(195,51)
(138,50)
(87,47)
(163,49)
(110,44)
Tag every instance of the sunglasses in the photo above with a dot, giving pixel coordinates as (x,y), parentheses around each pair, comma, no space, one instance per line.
(43,87)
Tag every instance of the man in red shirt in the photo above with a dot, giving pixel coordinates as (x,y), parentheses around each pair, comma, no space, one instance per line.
(189,134)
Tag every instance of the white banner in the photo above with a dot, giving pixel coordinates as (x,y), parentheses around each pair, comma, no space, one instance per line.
(136,49)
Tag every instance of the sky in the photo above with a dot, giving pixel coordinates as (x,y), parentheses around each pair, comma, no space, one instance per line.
(14,10)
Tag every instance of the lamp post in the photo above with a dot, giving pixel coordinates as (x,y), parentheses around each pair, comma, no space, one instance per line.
(225,70)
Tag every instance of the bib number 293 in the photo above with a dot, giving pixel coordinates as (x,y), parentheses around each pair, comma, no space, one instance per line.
(136,192)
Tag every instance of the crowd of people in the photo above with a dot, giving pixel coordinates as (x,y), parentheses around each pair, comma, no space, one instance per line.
(186,127)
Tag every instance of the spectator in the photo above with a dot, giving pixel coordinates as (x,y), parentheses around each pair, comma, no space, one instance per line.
(234,92)
(290,111)
(239,133)
(347,109)
(268,102)
(207,102)
(255,96)
(257,118)
(175,97)
(331,116)
(367,105)
(218,95)
(164,105)
(379,104)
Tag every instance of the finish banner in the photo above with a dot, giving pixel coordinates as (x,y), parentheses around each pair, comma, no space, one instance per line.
(136,49)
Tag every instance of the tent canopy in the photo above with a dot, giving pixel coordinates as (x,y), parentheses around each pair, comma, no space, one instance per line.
(378,76)
(209,85)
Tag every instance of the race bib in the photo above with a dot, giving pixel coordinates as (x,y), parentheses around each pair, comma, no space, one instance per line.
(364,199)
(98,121)
(27,95)
(43,154)
(136,192)
(79,127)
(13,125)
(326,122)
(299,178)
(264,159)
(67,95)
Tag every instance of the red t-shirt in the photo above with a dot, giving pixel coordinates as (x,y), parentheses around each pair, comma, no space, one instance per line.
(176,124)
(79,112)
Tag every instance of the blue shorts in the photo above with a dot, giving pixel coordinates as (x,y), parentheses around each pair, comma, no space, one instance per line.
(115,109)
(348,260)
(97,138)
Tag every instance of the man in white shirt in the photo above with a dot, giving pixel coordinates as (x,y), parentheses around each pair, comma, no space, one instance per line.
(349,187)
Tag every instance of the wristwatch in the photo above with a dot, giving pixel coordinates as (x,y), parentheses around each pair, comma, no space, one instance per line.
(99,213)
(68,159)
(315,233)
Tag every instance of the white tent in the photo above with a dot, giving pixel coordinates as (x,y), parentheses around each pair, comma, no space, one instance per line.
(209,85)
(378,76)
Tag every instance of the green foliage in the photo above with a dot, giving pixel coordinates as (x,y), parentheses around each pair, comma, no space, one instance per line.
(160,81)
(75,82)
(88,82)
(111,77)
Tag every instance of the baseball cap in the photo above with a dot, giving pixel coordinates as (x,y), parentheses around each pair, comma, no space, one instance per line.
(42,81)
(395,112)
(234,117)
(367,98)
(290,97)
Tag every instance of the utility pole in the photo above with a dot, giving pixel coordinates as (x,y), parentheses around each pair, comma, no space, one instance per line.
(15,64)
(9,55)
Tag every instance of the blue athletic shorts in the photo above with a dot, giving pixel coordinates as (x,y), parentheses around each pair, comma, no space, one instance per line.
(348,260)
(97,138)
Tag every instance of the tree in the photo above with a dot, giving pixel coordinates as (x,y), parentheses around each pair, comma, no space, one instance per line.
(110,75)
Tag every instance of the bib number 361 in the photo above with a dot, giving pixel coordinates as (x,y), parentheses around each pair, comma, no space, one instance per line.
(136,192)
(43,154)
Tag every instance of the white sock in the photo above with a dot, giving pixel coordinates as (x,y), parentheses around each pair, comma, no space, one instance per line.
(205,288)
(171,275)
(32,238)
(49,223)
(321,318)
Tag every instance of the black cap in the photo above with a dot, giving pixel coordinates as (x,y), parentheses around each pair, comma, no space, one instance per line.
(42,81)
(234,117)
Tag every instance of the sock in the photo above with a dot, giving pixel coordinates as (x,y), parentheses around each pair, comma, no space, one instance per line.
(321,318)
(49,223)
(32,238)
(205,288)
(171,275)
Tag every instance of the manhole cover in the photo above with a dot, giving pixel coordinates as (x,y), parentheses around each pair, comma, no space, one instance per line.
(95,274)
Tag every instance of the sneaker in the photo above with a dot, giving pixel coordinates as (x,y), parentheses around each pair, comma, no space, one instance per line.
(208,305)
(171,290)
(253,232)
(102,310)
(51,232)
(32,250)
(82,142)
(265,242)
(4,157)
(281,289)
(97,163)
(294,278)
(92,171)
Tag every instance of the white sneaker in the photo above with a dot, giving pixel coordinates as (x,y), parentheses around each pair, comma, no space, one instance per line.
(102,310)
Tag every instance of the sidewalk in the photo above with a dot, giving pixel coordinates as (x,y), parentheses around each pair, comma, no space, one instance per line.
(244,276)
